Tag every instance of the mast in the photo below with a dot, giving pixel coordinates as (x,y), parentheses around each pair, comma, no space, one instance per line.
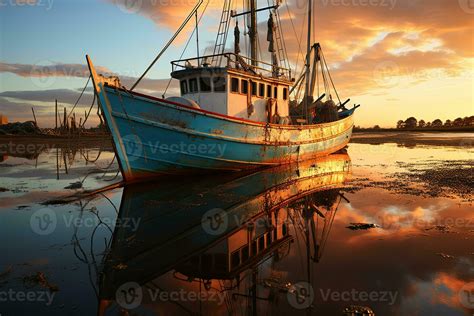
(253,32)
(308,61)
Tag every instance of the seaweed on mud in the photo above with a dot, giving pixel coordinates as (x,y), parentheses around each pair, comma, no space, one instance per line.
(361,226)
(440,228)
(445,256)
(430,179)
(74,186)
(6,273)
(39,279)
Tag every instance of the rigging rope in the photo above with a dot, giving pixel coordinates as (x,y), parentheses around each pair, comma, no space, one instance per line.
(183,25)
(330,78)
(80,96)
(88,113)
(186,46)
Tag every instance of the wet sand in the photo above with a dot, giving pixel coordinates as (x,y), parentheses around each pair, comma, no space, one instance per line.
(410,139)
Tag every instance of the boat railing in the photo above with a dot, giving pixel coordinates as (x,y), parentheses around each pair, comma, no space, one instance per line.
(232,61)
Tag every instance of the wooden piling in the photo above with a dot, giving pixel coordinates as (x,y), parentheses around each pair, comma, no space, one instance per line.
(56,115)
(65,124)
(34,116)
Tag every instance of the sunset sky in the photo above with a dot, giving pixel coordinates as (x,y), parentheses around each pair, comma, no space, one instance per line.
(397,58)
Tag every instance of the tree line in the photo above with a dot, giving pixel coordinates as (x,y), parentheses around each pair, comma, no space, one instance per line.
(412,122)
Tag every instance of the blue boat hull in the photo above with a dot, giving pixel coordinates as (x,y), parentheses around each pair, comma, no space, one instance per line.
(155,136)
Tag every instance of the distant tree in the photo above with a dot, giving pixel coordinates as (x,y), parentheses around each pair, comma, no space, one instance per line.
(469,121)
(421,123)
(458,122)
(428,124)
(437,123)
(376,127)
(400,124)
(448,123)
(411,122)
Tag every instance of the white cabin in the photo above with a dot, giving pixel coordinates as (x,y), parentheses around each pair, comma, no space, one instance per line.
(235,92)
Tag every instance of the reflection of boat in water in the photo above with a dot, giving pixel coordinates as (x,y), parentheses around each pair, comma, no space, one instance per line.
(214,229)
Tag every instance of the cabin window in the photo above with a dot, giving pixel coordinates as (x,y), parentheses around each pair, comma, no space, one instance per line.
(184,87)
(235,85)
(254,248)
(261,90)
(285,93)
(269,239)
(235,259)
(245,253)
(205,83)
(219,84)
(206,260)
(261,243)
(220,262)
(269,91)
(193,85)
(254,88)
(244,88)
(275,92)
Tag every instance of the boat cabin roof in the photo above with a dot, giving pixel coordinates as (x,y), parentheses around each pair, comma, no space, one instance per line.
(229,63)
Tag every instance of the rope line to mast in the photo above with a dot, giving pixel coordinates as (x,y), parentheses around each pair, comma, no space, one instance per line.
(186,46)
(80,96)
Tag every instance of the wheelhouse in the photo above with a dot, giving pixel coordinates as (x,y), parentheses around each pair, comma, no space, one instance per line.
(236,89)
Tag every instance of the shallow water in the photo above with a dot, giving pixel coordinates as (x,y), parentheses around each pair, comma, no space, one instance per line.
(186,247)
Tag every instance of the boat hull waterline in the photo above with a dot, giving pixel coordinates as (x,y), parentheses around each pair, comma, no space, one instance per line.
(154,136)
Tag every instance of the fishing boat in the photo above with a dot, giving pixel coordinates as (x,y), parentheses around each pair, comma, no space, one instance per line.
(234,111)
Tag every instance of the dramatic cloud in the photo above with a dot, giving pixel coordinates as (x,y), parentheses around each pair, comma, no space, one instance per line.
(52,70)
(17,104)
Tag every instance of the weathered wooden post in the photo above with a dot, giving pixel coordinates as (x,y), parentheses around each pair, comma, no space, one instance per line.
(56,116)
(65,123)
(34,116)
